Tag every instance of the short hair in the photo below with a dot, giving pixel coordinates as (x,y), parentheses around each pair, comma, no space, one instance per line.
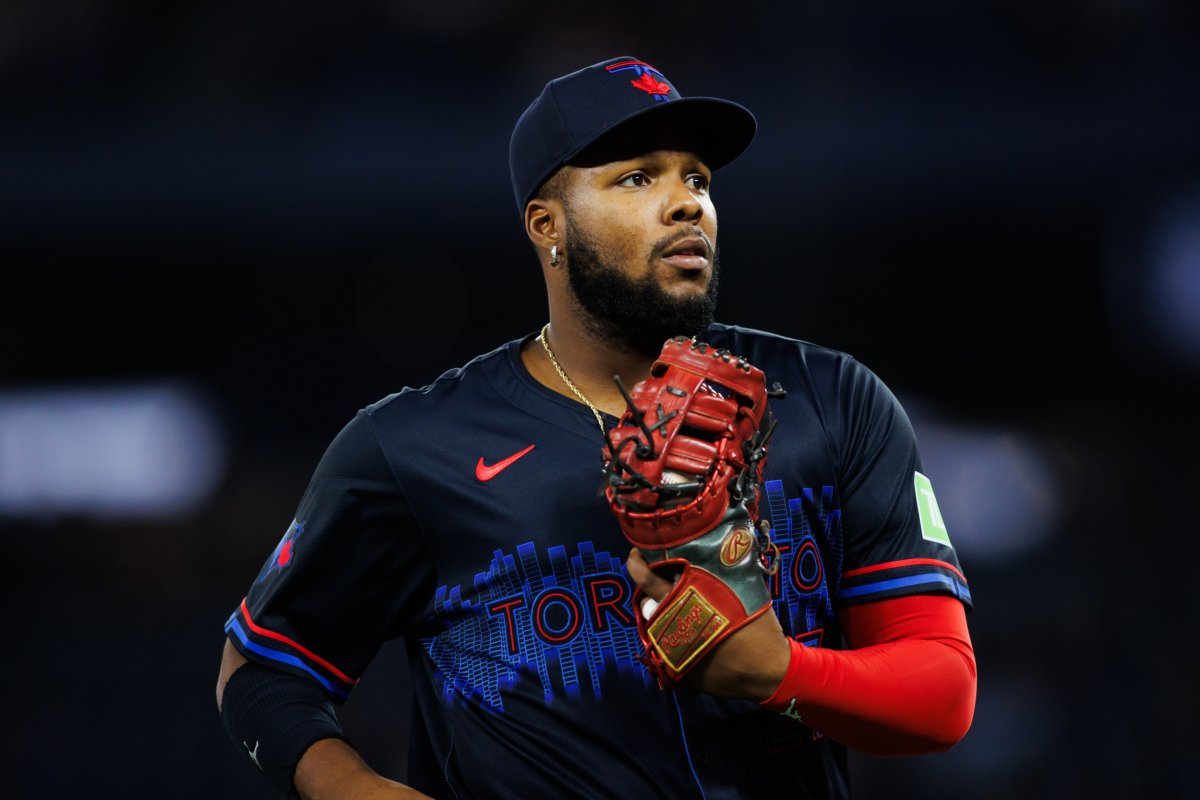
(554,187)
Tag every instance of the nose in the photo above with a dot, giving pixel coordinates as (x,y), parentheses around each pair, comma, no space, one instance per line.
(682,205)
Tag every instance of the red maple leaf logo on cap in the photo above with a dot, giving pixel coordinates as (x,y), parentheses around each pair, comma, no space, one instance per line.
(647,83)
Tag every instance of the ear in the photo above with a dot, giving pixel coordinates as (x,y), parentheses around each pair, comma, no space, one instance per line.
(544,223)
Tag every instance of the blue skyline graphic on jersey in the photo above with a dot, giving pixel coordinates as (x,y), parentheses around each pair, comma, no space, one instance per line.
(808,532)
(566,621)
(567,626)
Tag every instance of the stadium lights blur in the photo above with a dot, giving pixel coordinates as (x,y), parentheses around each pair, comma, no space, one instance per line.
(1153,283)
(995,488)
(1174,281)
(116,452)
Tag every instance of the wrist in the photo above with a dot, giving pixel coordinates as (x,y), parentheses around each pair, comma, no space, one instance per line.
(788,689)
(772,671)
(274,718)
(331,768)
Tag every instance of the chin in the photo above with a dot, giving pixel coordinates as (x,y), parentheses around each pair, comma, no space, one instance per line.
(689,286)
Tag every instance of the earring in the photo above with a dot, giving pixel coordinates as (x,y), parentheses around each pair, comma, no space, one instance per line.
(554,255)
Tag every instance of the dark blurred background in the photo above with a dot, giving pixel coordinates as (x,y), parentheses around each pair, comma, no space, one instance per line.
(226,226)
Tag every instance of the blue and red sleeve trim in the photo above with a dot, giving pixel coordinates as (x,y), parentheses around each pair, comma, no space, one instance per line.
(902,578)
(271,648)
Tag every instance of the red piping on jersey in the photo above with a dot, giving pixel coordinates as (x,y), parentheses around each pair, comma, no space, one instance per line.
(261,631)
(630,63)
(908,562)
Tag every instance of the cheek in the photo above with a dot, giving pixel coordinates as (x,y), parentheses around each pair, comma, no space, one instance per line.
(709,220)
(626,237)
(615,230)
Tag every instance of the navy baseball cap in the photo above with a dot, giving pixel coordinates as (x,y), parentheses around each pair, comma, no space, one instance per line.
(583,108)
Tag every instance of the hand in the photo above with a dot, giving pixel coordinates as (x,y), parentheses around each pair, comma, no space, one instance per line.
(684,470)
(750,664)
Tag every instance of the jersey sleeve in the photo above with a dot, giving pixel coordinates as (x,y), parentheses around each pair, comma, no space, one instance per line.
(351,571)
(895,540)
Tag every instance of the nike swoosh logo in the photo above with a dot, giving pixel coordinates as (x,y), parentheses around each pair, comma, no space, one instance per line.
(485,473)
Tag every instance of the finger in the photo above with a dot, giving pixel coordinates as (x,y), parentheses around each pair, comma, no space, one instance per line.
(647,580)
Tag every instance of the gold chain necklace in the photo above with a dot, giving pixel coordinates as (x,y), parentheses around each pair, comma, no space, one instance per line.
(562,374)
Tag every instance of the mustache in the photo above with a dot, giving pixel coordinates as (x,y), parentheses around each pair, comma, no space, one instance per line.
(674,239)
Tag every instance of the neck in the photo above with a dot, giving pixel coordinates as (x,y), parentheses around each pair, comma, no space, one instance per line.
(589,361)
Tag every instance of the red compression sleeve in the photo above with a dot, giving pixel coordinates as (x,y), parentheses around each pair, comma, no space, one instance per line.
(907,688)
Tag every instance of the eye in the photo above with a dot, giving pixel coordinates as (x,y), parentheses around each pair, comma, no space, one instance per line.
(634,179)
(698,182)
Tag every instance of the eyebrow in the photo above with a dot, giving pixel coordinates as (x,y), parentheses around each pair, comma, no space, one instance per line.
(694,162)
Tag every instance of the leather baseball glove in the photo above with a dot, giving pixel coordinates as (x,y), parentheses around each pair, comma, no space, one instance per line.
(684,466)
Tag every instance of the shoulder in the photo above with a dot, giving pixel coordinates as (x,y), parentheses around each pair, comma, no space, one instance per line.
(424,418)
(782,356)
(459,384)
(842,392)
(411,428)
(743,340)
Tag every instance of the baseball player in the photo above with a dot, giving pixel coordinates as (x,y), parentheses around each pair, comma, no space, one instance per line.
(705,578)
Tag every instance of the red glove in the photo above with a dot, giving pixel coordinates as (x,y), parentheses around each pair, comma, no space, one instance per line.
(684,466)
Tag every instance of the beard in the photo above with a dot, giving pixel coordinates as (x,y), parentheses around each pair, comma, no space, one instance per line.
(633,314)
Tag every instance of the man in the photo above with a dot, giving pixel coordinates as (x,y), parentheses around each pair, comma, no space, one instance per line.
(465,517)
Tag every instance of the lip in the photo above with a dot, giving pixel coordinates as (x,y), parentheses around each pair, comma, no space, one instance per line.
(689,254)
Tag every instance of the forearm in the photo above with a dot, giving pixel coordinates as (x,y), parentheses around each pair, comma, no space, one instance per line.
(910,688)
(896,699)
(271,717)
(332,770)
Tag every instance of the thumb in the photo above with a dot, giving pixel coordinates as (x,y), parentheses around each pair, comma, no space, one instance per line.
(651,583)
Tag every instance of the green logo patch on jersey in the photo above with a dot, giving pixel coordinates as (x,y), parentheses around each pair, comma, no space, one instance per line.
(933,527)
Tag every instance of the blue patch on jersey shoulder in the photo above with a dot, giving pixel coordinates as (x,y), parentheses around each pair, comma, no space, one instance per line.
(284,553)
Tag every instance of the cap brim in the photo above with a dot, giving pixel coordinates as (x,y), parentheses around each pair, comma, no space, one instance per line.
(716,130)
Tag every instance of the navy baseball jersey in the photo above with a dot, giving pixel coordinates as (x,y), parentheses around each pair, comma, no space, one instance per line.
(466,517)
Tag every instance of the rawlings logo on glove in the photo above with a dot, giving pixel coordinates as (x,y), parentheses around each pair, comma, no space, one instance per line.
(684,466)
